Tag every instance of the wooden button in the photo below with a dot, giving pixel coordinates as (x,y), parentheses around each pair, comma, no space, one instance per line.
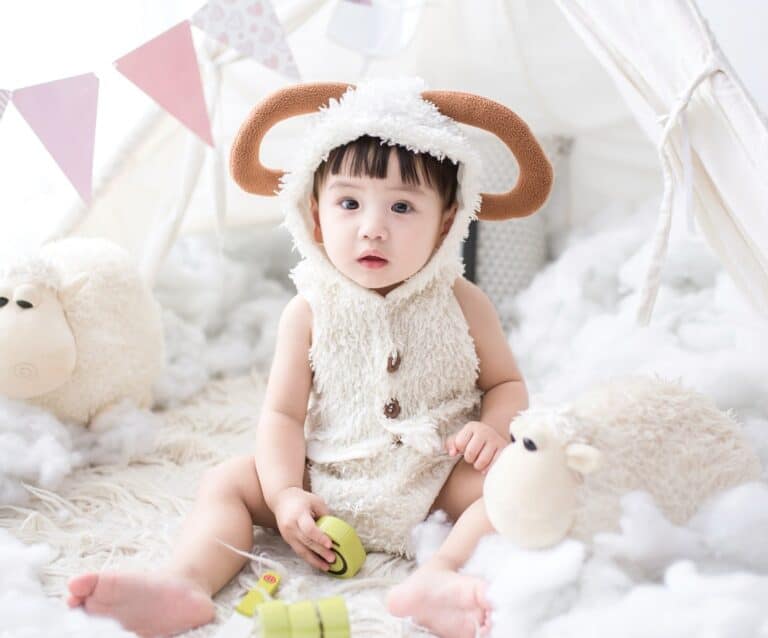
(393,363)
(392,409)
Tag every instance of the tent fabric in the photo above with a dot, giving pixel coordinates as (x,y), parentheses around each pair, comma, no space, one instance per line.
(711,138)
(532,45)
(611,158)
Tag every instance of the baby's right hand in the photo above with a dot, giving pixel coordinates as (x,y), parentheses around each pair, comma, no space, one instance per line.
(295,510)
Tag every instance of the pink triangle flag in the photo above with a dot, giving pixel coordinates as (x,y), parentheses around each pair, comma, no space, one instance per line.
(62,114)
(251,27)
(166,69)
(5,97)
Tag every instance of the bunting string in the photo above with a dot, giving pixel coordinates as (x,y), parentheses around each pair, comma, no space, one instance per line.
(62,113)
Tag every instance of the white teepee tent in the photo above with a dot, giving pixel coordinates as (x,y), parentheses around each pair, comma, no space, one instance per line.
(582,69)
(711,138)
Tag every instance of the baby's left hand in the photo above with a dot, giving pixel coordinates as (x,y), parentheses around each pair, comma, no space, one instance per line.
(479,443)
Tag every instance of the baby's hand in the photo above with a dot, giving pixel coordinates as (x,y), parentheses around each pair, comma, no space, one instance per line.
(479,443)
(295,511)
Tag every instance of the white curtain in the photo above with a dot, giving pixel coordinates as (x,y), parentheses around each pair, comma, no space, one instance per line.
(710,136)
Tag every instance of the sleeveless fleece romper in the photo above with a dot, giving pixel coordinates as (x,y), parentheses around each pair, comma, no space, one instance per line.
(394,376)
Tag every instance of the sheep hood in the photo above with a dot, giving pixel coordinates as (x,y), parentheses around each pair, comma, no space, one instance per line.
(394,111)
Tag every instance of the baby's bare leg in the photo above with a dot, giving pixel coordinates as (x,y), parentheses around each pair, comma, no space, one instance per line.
(450,604)
(229,502)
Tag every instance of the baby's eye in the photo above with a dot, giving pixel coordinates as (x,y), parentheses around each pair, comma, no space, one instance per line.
(349,204)
(401,207)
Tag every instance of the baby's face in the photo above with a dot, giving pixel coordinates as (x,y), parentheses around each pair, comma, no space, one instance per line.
(402,223)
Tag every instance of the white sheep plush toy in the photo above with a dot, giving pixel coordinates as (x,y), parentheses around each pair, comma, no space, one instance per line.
(79,330)
(567,468)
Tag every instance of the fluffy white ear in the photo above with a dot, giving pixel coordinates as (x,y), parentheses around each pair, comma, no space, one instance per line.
(582,458)
(73,286)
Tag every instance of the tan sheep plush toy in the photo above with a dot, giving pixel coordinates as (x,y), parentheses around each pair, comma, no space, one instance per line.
(79,330)
(567,468)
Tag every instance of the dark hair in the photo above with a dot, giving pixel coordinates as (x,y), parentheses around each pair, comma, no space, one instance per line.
(369,156)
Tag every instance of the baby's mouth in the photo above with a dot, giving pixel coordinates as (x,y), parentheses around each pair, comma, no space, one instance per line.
(373,262)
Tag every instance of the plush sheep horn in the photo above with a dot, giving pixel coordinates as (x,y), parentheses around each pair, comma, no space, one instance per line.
(582,458)
(245,164)
(528,195)
(535,180)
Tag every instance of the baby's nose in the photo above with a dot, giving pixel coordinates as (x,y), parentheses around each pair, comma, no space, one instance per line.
(373,226)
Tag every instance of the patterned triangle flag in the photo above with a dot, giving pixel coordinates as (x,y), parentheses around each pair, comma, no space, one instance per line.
(62,114)
(166,69)
(251,27)
(5,97)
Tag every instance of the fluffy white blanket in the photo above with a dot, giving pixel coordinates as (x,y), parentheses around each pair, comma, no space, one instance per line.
(125,516)
(651,579)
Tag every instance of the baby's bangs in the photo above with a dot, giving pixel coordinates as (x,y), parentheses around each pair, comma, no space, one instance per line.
(368,156)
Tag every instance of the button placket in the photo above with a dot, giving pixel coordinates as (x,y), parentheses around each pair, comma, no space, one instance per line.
(393,361)
(393,357)
(392,409)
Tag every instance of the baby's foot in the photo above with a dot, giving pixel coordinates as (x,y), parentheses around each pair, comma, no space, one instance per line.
(147,604)
(449,604)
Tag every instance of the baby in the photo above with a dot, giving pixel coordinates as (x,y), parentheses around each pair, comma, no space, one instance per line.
(392,384)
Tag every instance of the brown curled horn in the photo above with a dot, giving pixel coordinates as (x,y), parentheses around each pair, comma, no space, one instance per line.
(535,180)
(528,195)
(244,162)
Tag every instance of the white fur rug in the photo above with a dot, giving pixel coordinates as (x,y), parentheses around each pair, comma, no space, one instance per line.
(709,578)
(126,517)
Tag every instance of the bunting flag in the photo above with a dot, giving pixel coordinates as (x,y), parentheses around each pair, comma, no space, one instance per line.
(63,115)
(166,69)
(5,97)
(251,27)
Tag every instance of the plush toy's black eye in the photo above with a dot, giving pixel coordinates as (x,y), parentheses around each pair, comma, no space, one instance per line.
(3,301)
(23,304)
(511,437)
(529,445)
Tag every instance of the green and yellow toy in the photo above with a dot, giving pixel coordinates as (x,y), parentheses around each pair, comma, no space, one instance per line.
(349,551)
(240,623)
(258,612)
(325,618)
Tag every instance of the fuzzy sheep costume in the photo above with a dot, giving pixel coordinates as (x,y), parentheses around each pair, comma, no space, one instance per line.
(113,318)
(394,375)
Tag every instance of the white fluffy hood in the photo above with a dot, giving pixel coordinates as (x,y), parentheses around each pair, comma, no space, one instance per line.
(394,111)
